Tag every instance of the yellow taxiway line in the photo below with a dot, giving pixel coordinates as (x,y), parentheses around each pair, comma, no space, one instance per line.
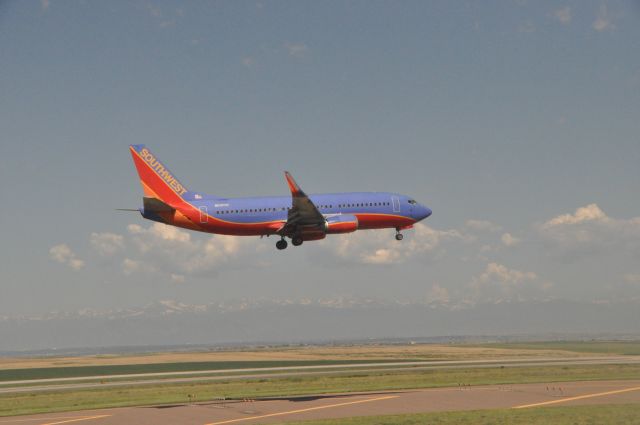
(290,412)
(66,419)
(11,421)
(580,397)
(86,418)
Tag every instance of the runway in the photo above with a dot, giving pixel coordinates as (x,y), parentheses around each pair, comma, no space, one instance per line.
(103,381)
(279,410)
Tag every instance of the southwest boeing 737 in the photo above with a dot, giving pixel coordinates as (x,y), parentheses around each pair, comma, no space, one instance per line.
(298,217)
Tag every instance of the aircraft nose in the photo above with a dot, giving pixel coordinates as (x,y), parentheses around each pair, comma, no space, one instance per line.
(422,213)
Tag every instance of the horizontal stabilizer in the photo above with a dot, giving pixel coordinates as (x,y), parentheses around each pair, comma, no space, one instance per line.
(156,205)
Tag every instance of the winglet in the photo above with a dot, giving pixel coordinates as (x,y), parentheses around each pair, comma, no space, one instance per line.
(293,186)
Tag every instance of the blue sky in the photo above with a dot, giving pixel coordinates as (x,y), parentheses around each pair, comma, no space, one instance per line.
(500,116)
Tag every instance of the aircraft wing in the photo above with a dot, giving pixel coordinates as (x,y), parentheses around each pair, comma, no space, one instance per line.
(303,212)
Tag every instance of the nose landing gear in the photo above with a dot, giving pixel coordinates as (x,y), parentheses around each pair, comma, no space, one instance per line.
(399,235)
(281,244)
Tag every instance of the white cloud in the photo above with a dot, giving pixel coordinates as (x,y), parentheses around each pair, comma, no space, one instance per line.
(76,264)
(106,243)
(64,255)
(483,225)
(173,251)
(438,294)
(509,240)
(502,275)
(153,10)
(382,256)
(164,20)
(563,15)
(498,283)
(130,266)
(632,278)
(297,50)
(590,231)
(583,214)
(379,247)
(177,278)
(603,20)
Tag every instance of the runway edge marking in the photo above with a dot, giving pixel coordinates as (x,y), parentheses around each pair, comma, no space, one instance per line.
(290,412)
(580,397)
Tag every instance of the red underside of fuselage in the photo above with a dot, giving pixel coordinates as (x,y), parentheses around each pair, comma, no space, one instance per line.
(365,221)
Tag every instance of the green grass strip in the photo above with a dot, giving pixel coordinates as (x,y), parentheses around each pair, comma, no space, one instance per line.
(40,402)
(80,371)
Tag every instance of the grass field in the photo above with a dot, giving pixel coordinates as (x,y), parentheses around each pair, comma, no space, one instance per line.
(80,371)
(566,415)
(303,353)
(24,403)
(592,347)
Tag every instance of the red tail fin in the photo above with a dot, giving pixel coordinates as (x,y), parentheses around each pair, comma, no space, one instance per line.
(156,179)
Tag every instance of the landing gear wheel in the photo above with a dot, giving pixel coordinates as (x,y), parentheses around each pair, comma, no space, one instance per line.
(297,241)
(399,236)
(281,244)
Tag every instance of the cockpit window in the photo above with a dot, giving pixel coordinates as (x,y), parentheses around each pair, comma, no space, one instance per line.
(411,201)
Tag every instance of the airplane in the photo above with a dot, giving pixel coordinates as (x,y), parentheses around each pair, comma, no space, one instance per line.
(298,217)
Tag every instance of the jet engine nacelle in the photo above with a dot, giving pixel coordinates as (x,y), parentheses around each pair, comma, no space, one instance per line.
(341,224)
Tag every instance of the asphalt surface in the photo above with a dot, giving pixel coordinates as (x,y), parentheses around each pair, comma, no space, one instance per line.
(282,410)
(59,384)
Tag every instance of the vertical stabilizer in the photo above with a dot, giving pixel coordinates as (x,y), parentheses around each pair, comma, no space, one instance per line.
(156,179)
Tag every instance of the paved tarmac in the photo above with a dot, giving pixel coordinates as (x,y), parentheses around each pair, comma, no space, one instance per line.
(58,384)
(281,410)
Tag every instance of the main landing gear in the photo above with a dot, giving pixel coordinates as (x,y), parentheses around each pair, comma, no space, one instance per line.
(282,243)
(399,236)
